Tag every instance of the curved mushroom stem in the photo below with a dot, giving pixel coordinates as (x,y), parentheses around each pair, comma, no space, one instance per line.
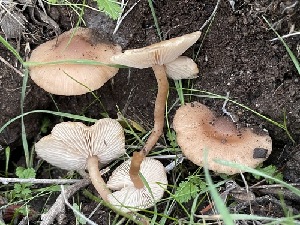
(159,110)
(96,179)
(159,118)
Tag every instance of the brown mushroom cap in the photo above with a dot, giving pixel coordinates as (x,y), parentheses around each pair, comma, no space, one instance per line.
(70,144)
(72,79)
(198,130)
(157,54)
(128,198)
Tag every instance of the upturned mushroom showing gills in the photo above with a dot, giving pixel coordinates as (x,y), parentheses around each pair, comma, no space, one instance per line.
(128,198)
(199,130)
(74,146)
(158,56)
(67,78)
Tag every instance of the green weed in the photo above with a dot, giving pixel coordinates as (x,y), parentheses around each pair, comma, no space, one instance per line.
(111,8)
(23,190)
(270,170)
(189,189)
(171,136)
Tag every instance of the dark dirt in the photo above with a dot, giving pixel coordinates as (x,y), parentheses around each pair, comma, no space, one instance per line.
(235,55)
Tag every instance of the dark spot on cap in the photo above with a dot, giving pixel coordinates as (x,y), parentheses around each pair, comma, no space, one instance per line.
(192,104)
(260,153)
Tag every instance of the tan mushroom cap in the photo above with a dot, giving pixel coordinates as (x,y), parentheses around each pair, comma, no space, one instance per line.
(157,54)
(198,130)
(128,198)
(72,79)
(71,143)
(182,68)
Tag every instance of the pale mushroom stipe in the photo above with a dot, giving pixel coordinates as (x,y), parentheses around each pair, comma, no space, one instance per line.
(158,56)
(127,197)
(199,130)
(75,146)
(70,78)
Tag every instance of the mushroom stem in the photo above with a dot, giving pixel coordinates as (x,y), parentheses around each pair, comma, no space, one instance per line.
(159,118)
(159,110)
(96,179)
(135,169)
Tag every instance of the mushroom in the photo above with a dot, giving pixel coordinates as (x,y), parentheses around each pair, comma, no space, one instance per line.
(158,56)
(198,130)
(72,79)
(128,198)
(182,68)
(74,146)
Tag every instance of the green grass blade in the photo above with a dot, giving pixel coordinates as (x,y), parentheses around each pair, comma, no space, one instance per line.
(291,54)
(7,157)
(23,132)
(282,220)
(193,209)
(264,219)
(74,61)
(67,115)
(178,85)
(11,49)
(221,207)
(155,19)
(167,211)
(80,19)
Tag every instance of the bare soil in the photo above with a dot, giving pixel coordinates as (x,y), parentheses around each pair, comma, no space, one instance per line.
(234,55)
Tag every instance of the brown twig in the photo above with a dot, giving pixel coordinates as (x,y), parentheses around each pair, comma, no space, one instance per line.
(58,207)
(11,67)
(76,212)
(273,186)
(38,181)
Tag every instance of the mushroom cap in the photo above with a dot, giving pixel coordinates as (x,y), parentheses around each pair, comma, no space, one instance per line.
(156,54)
(182,68)
(198,130)
(71,143)
(72,79)
(127,198)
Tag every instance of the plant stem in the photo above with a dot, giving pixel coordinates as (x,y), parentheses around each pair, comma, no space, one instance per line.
(96,179)
(159,116)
